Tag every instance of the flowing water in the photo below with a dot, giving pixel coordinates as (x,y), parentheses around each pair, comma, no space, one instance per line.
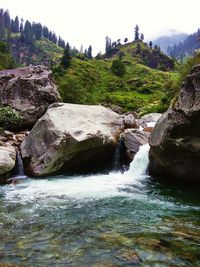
(100,220)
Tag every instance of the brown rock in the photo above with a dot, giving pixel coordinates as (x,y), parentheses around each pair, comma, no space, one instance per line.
(148,129)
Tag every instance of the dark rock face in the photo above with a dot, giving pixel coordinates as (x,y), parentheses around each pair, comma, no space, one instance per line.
(28,90)
(175,140)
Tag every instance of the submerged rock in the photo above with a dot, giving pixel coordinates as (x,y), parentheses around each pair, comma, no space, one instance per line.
(175,140)
(7,161)
(71,137)
(29,91)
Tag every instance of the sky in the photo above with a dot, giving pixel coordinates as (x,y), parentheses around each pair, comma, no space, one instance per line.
(88,22)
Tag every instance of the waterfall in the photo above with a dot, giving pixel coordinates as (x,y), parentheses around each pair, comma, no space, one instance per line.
(20,166)
(139,165)
(86,187)
(117,164)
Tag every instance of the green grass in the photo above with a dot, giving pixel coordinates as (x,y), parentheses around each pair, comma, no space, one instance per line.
(48,49)
(142,89)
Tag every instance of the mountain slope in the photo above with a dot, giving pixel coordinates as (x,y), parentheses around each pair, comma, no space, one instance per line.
(169,41)
(186,47)
(30,43)
(44,52)
(140,52)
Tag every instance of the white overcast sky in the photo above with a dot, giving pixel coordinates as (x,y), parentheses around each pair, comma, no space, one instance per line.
(89,21)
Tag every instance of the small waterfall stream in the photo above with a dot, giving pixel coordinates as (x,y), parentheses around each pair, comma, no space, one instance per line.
(19,172)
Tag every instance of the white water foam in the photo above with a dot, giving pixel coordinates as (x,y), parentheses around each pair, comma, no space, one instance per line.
(81,187)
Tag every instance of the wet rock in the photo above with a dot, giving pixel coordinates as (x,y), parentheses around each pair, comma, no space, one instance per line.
(133,139)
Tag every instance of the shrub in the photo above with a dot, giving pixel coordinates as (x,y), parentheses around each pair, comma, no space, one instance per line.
(118,67)
(9,117)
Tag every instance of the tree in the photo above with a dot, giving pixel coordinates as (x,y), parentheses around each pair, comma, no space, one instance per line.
(12,25)
(108,45)
(150,44)
(138,48)
(21,28)
(37,30)
(66,58)
(118,67)
(16,24)
(7,19)
(89,52)
(119,42)
(136,33)
(125,40)
(61,42)
(28,33)
(142,37)
(45,32)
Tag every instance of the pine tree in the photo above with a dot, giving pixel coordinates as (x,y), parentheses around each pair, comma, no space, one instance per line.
(150,44)
(7,19)
(2,24)
(21,28)
(136,33)
(66,58)
(125,40)
(16,27)
(45,32)
(89,52)
(142,37)
(108,46)
(28,33)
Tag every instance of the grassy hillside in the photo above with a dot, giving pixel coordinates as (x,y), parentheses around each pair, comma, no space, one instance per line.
(140,52)
(142,89)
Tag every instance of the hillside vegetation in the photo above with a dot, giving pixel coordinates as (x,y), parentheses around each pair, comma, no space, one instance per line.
(141,88)
(6,59)
(140,52)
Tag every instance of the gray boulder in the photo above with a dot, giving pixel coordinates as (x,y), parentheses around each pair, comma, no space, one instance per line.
(7,161)
(29,91)
(175,140)
(71,138)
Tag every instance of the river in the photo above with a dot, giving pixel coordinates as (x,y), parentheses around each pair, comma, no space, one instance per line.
(100,220)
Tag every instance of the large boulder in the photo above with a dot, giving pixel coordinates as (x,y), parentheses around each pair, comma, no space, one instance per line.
(7,161)
(29,91)
(71,137)
(175,140)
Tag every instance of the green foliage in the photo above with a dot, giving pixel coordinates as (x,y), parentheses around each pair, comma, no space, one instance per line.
(66,58)
(6,59)
(9,117)
(187,65)
(92,82)
(118,67)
